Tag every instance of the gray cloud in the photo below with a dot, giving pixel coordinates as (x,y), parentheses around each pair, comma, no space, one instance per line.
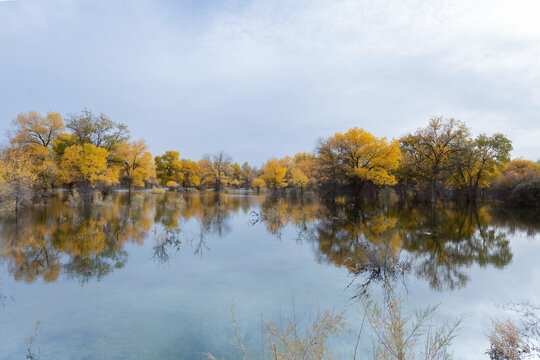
(260,78)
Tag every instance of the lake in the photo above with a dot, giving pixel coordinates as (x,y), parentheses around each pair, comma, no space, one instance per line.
(154,278)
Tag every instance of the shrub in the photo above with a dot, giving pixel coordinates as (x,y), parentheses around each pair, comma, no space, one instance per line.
(519,184)
(98,199)
(156,190)
(526,194)
(74,198)
(172,185)
(505,341)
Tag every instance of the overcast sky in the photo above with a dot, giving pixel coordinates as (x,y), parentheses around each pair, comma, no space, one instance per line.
(267,78)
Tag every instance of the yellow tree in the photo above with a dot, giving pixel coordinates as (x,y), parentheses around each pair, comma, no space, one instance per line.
(273,174)
(298,179)
(33,128)
(216,170)
(17,179)
(191,173)
(307,163)
(137,165)
(37,134)
(258,184)
(169,167)
(363,157)
(86,165)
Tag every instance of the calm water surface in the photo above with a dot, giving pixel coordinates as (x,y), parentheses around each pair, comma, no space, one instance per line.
(155,279)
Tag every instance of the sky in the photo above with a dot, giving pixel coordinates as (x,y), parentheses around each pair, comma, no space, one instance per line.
(268,78)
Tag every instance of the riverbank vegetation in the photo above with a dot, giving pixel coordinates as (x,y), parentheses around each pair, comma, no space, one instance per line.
(92,152)
(392,334)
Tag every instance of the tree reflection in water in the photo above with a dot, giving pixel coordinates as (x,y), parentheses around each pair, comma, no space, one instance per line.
(373,242)
(381,242)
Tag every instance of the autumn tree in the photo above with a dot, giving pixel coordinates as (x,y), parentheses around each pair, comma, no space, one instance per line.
(307,163)
(430,152)
(33,128)
(479,162)
(519,184)
(258,184)
(191,173)
(86,166)
(44,165)
(99,130)
(36,134)
(216,170)
(248,175)
(169,167)
(298,179)
(17,179)
(359,157)
(237,175)
(329,171)
(137,165)
(273,174)
(301,170)
(62,142)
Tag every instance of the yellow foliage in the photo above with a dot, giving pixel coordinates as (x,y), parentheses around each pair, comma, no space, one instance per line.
(16,176)
(365,157)
(33,128)
(298,178)
(191,173)
(137,163)
(274,174)
(216,170)
(258,183)
(194,181)
(169,167)
(87,164)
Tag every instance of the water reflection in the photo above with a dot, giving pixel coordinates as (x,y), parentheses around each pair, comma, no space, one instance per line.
(374,242)
(383,242)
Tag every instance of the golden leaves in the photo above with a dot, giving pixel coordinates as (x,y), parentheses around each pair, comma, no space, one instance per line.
(87,164)
(273,174)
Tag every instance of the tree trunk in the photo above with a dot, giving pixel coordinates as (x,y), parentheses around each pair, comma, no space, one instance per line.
(433,197)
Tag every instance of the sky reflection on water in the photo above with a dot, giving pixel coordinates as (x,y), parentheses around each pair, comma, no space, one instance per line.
(155,278)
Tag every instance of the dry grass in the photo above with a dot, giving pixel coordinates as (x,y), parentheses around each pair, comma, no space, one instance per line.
(506,343)
(289,343)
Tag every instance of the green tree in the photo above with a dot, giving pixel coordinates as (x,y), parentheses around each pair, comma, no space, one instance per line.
(430,152)
(248,175)
(98,130)
(479,163)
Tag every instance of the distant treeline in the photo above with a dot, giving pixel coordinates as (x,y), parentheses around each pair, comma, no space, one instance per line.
(90,151)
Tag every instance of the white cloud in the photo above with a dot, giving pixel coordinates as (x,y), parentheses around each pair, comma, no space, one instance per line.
(267,78)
